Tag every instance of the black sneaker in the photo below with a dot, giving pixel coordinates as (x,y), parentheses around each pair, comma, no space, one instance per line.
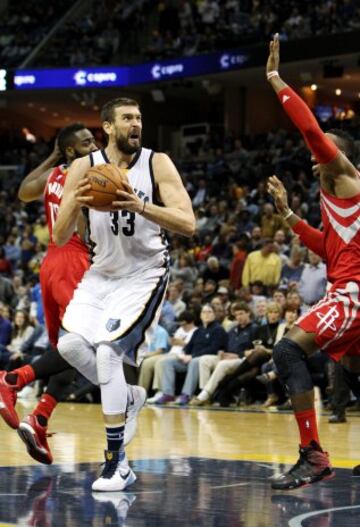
(312,466)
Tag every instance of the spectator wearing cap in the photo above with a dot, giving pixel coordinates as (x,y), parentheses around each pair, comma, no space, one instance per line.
(213,368)
(263,265)
(313,281)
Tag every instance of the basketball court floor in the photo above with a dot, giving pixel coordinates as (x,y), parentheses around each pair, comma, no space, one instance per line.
(197,467)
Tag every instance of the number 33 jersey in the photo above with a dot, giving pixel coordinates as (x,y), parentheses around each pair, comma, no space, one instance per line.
(122,242)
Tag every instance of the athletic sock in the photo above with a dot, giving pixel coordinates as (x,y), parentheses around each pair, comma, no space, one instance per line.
(21,377)
(115,437)
(45,408)
(306,421)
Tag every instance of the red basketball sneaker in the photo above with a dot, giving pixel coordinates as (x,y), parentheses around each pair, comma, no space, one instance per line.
(8,402)
(35,438)
(313,465)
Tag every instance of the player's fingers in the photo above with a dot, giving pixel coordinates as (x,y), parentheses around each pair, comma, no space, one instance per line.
(128,187)
(82,189)
(85,199)
(119,204)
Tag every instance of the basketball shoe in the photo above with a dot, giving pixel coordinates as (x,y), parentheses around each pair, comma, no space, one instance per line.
(8,396)
(116,474)
(313,465)
(136,400)
(34,435)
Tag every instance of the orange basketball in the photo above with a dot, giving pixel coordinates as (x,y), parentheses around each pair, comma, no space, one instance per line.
(105,180)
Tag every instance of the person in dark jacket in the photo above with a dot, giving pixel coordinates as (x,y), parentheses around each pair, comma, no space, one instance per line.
(208,339)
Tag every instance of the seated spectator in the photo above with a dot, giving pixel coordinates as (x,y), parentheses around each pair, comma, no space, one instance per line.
(208,339)
(255,357)
(263,265)
(313,280)
(174,297)
(213,368)
(158,346)
(184,268)
(292,270)
(215,271)
(5,265)
(5,328)
(260,312)
(12,356)
(268,376)
(178,342)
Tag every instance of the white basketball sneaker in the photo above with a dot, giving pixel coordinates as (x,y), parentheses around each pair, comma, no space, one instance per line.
(116,474)
(135,401)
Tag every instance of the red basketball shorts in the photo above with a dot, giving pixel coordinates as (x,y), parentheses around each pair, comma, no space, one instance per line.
(335,320)
(60,273)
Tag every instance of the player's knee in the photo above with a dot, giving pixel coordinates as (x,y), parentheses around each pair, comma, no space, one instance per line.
(290,361)
(68,345)
(107,361)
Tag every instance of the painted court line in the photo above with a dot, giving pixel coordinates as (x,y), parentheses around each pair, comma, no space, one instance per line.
(233,485)
(297,520)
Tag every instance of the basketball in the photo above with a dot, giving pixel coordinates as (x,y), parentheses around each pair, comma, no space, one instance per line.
(105,180)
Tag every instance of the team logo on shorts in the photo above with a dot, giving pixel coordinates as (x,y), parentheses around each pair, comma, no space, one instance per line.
(112,324)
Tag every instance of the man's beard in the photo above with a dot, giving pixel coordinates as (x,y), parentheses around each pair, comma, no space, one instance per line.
(123,145)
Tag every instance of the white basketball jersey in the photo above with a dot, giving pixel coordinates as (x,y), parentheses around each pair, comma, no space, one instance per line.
(123,243)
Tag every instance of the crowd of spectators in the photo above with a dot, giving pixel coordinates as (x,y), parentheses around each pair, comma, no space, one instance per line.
(24,24)
(235,288)
(123,32)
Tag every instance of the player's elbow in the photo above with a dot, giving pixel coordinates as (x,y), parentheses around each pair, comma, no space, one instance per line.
(24,196)
(58,237)
(189,227)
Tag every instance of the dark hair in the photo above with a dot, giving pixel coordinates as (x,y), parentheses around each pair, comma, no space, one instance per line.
(241,306)
(66,135)
(108,110)
(187,316)
(345,143)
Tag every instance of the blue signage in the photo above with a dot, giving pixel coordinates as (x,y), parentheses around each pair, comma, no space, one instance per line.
(106,76)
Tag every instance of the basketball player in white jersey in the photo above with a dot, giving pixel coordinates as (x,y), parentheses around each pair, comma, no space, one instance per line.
(118,301)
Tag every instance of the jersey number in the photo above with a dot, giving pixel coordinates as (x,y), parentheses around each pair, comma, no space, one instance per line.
(54,209)
(129,229)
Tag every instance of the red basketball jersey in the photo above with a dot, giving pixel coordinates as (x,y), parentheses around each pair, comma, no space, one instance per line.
(341,226)
(52,198)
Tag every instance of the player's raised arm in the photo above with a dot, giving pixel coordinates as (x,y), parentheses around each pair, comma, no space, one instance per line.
(312,238)
(76,184)
(323,148)
(33,185)
(177,214)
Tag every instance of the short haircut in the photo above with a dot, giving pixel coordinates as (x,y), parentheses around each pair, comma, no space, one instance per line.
(187,316)
(108,110)
(346,143)
(66,136)
(241,306)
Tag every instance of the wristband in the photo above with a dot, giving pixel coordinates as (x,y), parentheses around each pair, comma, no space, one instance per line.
(271,74)
(290,213)
(143,210)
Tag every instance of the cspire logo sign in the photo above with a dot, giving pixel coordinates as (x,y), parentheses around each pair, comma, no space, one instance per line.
(26,80)
(159,72)
(228,61)
(84,78)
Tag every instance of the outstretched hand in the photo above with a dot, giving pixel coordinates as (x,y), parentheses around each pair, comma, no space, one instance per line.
(278,192)
(273,61)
